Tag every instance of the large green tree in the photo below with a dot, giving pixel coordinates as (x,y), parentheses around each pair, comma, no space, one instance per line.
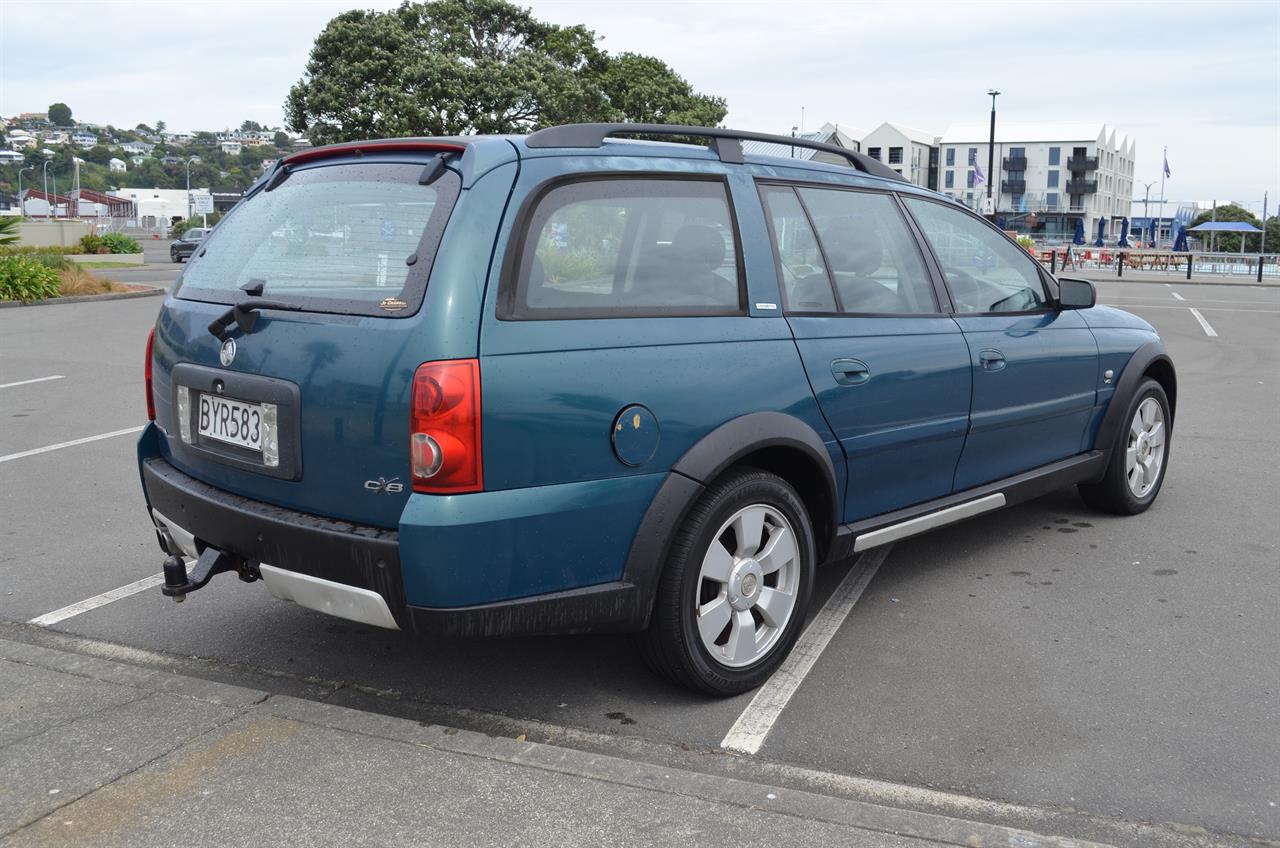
(452,67)
(1230,242)
(60,115)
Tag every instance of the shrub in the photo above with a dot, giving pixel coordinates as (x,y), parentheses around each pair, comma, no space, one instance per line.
(26,280)
(93,244)
(9,229)
(121,243)
(52,260)
(32,250)
(75,280)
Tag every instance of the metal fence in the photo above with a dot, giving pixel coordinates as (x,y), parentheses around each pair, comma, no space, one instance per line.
(1122,261)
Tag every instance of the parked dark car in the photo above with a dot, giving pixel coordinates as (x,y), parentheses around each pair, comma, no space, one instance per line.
(566,382)
(187,244)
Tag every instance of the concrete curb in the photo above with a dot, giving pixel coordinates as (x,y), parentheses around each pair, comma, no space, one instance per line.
(87,298)
(520,754)
(761,789)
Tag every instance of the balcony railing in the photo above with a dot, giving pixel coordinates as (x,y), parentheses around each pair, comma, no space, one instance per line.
(1081,186)
(1015,163)
(1013,186)
(1082,163)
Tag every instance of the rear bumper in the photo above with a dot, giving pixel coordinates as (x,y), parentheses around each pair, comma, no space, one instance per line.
(354,571)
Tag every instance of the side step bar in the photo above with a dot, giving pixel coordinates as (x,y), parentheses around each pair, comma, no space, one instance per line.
(920,518)
(912,526)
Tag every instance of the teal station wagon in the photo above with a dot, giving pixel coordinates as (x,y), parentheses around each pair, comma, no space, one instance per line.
(573,382)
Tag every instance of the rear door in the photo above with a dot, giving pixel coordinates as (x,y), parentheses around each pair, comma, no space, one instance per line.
(305,404)
(1034,367)
(889,367)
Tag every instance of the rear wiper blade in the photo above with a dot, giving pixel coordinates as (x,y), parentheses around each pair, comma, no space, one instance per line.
(244,314)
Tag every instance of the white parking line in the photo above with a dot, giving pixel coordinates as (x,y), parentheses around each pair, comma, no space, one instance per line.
(751,728)
(72,443)
(1208,331)
(1178,296)
(49,619)
(29,382)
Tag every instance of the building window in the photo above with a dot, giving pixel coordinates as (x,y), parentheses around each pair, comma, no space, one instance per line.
(973,155)
(1017,153)
(1055,155)
(969,180)
(874,153)
(1051,201)
(951,156)
(895,155)
(950,181)
(1053,179)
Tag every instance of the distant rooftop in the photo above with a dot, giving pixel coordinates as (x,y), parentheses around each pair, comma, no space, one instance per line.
(1006,132)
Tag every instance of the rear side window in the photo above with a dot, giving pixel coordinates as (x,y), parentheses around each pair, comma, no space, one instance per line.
(865,259)
(352,238)
(628,248)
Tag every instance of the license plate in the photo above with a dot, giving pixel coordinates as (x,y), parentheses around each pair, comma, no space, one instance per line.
(232,421)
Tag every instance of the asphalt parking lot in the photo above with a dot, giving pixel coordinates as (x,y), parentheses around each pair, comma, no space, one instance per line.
(1102,669)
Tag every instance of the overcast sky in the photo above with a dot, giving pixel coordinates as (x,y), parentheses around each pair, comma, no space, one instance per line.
(1202,78)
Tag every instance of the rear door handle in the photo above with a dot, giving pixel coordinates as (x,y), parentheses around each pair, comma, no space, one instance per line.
(992,359)
(850,372)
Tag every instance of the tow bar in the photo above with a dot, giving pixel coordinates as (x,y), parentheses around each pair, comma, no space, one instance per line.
(177,582)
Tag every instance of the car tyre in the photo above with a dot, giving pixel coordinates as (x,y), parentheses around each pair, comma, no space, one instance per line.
(1139,459)
(744,557)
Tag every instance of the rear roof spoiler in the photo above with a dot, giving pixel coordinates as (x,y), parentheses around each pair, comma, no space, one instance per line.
(726,143)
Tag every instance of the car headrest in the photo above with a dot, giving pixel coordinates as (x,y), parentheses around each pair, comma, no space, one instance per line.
(852,248)
(698,246)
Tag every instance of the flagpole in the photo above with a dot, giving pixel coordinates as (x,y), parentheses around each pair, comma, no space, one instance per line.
(1164,166)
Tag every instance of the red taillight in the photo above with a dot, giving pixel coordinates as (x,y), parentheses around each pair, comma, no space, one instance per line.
(151,401)
(444,427)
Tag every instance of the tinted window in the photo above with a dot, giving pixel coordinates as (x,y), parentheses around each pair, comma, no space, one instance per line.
(630,246)
(332,238)
(805,283)
(985,271)
(871,255)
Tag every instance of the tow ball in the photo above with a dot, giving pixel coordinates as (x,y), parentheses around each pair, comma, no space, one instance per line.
(178,582)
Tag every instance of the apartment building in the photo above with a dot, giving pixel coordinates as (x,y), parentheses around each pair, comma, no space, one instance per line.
(912,153)
(1046,176)
(828,133)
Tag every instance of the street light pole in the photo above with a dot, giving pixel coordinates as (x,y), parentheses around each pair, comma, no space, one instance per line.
(47,207)
(1146,212)
(188,188)
(991,153)
(23,203)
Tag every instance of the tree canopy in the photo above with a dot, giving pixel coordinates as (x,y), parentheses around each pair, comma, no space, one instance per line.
(60,115)
(452,67)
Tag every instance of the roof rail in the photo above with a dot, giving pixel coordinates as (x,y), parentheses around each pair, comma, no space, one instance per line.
(726,143)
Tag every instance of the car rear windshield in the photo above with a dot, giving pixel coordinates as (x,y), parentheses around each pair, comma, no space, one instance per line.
(350,238)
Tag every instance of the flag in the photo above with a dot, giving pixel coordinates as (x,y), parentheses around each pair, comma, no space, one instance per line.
(1166,165)
(979,178)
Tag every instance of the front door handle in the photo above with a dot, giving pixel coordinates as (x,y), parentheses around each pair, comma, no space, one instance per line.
(991,359)
(850,372)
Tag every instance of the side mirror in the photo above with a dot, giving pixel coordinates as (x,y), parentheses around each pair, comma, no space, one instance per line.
(1076,294)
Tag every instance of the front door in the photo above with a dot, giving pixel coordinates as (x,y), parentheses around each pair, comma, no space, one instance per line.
(1034,367)
(889,369)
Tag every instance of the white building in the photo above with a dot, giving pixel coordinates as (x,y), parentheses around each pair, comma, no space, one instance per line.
(8,157)
(157,207)
(137,147)
(1046,175)
(912,153)
(231,148)
(84,139)
(828,133)
(117,165)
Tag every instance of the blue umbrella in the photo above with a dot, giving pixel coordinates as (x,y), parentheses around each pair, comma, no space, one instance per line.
(1079,238)
(1180,243)
(1124,233)
(1102,226)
